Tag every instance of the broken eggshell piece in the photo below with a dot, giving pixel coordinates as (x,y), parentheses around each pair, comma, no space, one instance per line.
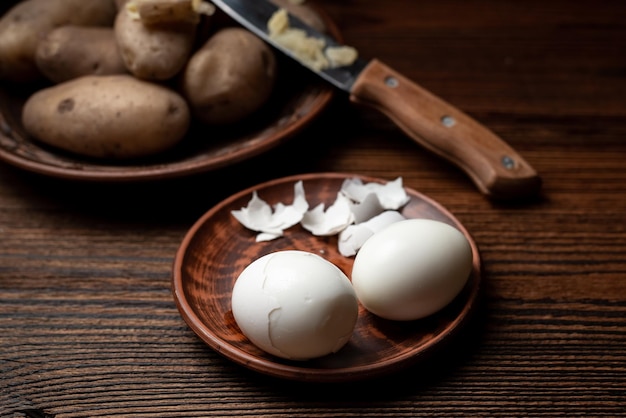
(330,222)
(353,237)
(259,216)
(391,194)
(356,203)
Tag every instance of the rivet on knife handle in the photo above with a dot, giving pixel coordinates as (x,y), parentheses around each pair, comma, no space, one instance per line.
(495,168)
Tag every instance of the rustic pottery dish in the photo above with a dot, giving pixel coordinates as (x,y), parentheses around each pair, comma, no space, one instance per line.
(297,100)
(217,248)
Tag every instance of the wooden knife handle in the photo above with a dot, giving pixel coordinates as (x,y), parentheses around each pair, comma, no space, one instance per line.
(497,170)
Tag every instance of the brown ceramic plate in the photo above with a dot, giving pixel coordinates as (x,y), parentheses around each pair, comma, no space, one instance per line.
(298,99)
(217,248)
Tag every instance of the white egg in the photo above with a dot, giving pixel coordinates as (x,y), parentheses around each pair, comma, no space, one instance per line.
(295,305)
(411,269)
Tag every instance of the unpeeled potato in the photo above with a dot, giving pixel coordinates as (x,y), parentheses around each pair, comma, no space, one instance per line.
(230,77)
(153,52)
(72,51)
(24,24)
(117,116)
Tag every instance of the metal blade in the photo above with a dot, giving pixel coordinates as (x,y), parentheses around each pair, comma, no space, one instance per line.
(254,16)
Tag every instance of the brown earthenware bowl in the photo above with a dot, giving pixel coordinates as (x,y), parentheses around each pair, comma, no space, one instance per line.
(217,248)
(297,100)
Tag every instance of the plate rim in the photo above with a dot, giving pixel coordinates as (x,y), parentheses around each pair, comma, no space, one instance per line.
(301,372)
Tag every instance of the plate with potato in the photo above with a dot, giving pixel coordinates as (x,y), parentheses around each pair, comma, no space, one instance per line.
(121,90)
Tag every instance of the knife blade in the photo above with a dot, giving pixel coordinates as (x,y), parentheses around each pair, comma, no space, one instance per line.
(496,169)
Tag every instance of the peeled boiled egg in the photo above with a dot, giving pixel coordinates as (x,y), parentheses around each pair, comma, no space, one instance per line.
(411,269)
(295,305)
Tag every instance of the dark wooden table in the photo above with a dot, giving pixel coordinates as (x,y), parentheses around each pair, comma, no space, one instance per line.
(89,327)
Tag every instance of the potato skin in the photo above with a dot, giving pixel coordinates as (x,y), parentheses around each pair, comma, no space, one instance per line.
(22,26)
(116,116)
(230,77)
(153,52)
(69,52)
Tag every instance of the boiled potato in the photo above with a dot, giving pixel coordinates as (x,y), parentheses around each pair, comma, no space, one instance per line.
(157,12)
(156,52)
(230,77)
(72,51)
(116,116)
(25,23)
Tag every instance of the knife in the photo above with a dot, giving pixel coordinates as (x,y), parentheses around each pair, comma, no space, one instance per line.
(496,169)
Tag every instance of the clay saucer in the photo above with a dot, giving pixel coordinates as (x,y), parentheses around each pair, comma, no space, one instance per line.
(217,248)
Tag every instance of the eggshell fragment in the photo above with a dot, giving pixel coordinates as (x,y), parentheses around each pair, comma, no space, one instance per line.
(391,194)
(353,237)
(411,269)
(331,221)
(356,202)
(367,209)
(259,216)
(295,305)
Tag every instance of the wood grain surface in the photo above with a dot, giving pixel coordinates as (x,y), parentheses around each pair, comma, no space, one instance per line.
(89,327)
